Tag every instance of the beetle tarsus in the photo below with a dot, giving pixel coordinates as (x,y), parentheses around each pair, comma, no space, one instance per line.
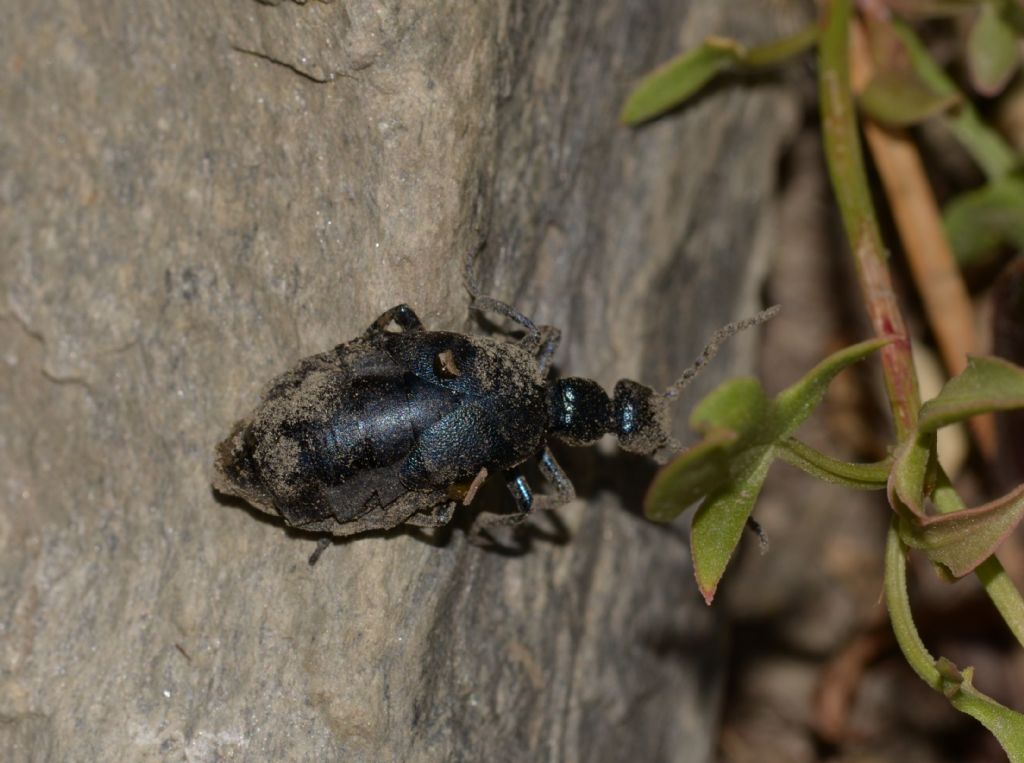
(322,545)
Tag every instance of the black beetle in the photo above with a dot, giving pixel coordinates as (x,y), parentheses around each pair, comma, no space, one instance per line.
(398,427)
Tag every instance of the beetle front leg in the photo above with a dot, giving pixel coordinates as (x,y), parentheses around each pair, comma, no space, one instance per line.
(547,344)
(402,315)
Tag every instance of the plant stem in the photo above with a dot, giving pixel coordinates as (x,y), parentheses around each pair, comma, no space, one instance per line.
(925,246)
(849,181)
(897,601)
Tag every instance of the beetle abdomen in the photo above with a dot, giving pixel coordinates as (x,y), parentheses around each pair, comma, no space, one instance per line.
(329,436)
(375,424)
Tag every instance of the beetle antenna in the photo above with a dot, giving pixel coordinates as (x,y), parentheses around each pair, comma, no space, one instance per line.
(483,303)
(711,349)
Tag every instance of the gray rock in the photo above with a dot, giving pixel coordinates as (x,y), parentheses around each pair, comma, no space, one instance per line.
(193,196)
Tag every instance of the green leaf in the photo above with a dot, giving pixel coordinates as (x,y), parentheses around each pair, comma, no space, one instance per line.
(1006,725)
(992,56)
(901,99)
(987,384)
(719,522)
(794,404)
(742,433)
(679,79)
(737,404)
(982,221)
(964,539)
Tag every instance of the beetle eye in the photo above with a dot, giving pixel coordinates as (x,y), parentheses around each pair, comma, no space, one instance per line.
(445,366)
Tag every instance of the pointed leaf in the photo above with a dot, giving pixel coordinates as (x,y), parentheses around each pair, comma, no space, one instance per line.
(741,432)
(901,99)
(992,55)
(719,522)
(959,540)
(994,156)
(674,82)
(794,404)
(964,539)
(678,79)
(987,384)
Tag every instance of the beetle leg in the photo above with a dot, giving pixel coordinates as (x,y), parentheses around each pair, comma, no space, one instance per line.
(564,489)
(484,303)
(548,343)
(403,315)
(525,503)
(322,544)
(525,500)
(521,494)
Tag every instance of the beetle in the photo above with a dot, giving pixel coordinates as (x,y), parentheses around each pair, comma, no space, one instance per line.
(400,427)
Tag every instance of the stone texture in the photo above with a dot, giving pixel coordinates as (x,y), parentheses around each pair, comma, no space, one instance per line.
(193,195)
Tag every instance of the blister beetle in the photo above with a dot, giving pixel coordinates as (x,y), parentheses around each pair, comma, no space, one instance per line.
(399,427)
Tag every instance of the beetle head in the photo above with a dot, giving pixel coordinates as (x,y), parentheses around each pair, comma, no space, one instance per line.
(642,421)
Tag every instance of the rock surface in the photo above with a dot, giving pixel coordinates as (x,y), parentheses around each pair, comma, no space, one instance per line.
(193,196)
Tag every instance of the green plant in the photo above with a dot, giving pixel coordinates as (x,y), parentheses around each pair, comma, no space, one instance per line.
(894,82)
